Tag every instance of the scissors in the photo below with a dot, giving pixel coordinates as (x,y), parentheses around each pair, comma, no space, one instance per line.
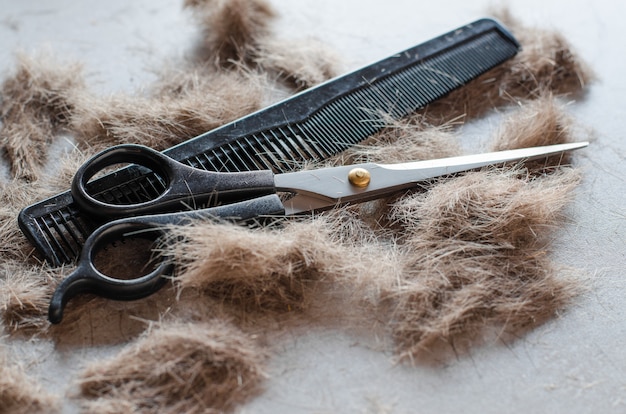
(243,196)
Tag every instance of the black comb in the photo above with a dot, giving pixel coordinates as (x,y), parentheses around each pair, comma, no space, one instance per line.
(311,126)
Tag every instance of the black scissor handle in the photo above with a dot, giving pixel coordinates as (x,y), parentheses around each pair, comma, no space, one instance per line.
(86,278)
(184,185)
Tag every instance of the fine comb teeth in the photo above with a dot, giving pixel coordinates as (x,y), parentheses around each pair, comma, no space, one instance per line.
(311,126)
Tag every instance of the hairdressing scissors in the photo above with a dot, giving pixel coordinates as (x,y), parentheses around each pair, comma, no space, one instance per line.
(244,196)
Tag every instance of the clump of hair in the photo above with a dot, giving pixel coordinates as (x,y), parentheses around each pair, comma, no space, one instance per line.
(538,122)
(185,106)
(24,296)
(177,367)
(20,394)
(270,270)
(547,64)
(232,28)
(300,64)
(36,101)
(14,195)
(476,249)
(326,269)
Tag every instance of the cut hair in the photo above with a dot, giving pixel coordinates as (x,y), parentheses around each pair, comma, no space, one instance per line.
(207,367)
(20,394)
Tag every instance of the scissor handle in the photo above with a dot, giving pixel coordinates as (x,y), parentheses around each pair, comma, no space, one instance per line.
(86,278)
(184,185)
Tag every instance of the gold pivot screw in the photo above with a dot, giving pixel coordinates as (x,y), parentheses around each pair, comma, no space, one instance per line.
(359,177)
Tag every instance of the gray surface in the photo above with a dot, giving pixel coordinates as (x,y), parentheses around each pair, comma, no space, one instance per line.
(574,363)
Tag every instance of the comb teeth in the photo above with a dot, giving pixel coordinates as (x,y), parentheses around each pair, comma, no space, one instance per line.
(311,126)
(351,118)
(65,232)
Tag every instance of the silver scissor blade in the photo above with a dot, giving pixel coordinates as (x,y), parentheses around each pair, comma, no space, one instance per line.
(327,187)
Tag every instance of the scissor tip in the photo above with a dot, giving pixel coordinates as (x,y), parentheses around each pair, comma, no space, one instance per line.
(580,144)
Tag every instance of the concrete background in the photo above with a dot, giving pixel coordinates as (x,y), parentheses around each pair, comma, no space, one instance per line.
(573,364)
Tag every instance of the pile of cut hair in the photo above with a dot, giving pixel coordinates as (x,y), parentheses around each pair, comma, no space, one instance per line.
(435,271)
